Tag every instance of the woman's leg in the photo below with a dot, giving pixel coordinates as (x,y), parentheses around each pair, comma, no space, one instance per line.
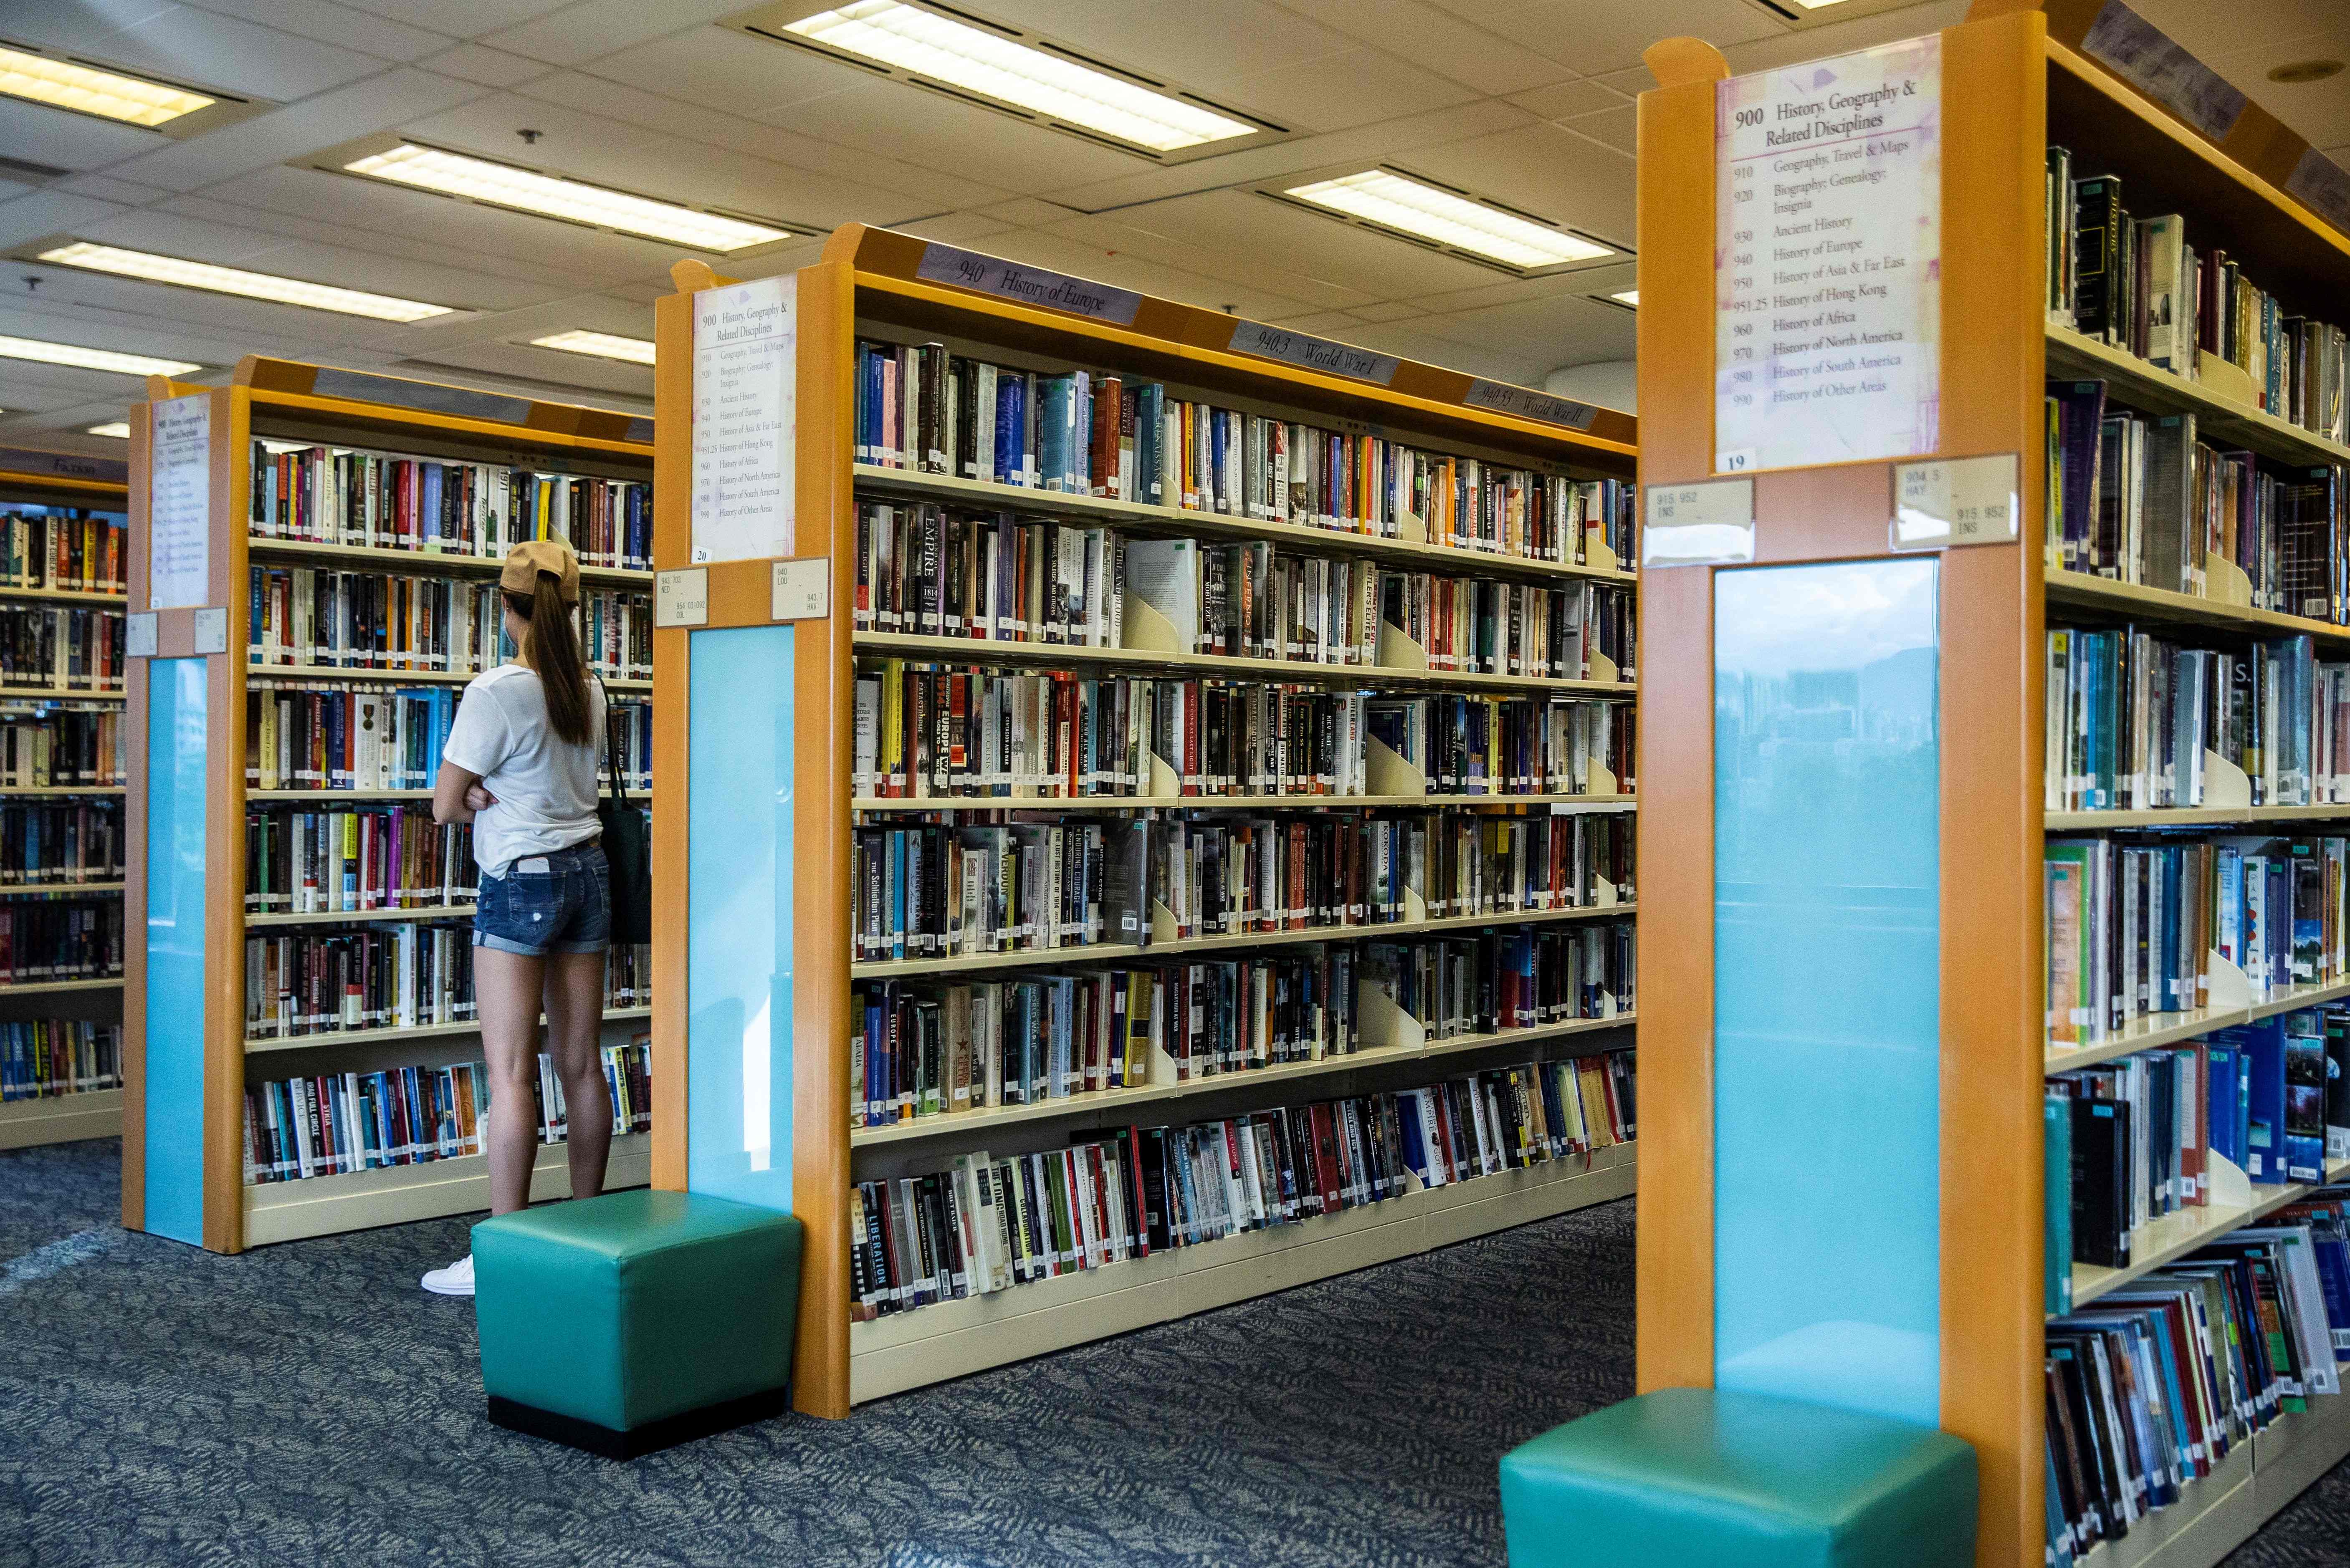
(575,1027)
(507,987)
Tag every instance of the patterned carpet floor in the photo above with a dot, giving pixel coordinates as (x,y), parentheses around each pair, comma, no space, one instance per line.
(308,1404)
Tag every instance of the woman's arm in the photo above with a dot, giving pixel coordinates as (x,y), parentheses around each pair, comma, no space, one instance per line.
(457,794)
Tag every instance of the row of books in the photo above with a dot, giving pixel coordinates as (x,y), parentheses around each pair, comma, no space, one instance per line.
(385,620)
(2142,500)
(986,1224)
(63,748)
(60,648)
(62,547)
(2135,720)
(2138,285)
(56,844)
(43,1058)
(953,733)
(337,1123)
(924,1049)
(318,735)
(42,943)
(932,891)
(932,572)
(356,858)
(378,500)
(922,408)
(2139,923)
(2143,1133)
(388,975)
(2149,1391)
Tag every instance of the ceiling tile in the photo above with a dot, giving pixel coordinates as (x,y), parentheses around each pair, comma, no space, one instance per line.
(1618,127)
(1560,330)
(1449,45)
(106,188)
(327,23)
(461,18)
(895,120)
(39,134)
(1208,45)
(1333,324)
(1846,38)
(719,65)
(490,68)
(591,29)
(182,44)
(273,137)
(1595,35)
(2319,112)
(51,211)
(563,374)
(971,229)
(1254,238)
(1337,91)
(2209,28)
(1387,310)
(1519,366)
(1565,98)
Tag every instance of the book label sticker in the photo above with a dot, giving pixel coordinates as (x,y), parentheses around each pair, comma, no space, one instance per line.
(746,374)
(211,630)
(1827,260)
(1028,284)
(180,502)
(681,597)
(1529,404)
(1698,524)
(802,590)
(1955,501)
(139,635)
(1314,353)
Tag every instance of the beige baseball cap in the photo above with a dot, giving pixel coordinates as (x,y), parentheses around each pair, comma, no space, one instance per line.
(532,556)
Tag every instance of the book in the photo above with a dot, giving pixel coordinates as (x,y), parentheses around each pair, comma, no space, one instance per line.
(68,548)
(43,1058)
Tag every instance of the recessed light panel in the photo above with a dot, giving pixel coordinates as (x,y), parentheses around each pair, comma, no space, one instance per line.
(81,358)
(1387,199)
(63,84)
(599,345)
(553,196)
(1630,296)
(118,429)
(185,274)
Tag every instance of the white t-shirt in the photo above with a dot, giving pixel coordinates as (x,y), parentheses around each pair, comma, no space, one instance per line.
(545,786)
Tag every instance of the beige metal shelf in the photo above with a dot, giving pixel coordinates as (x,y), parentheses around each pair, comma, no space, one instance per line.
(339,1037)
(396,1194)
(1575,805)
(67,596)
(2074,356)
(60,1118)
(263,546)
(2190,816)
(332,673)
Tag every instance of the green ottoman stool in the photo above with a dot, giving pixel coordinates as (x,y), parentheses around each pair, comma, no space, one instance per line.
(637,1320)
(1704,1476)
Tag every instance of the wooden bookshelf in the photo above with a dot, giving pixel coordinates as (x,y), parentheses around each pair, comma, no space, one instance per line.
(186,1042)
(75,483)
(870,285)
(2014,80)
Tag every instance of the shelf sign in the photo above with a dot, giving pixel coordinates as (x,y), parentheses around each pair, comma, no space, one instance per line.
(1698,524)
(180,501)
(1027,284)
(1528,404)
(745,375)
(1827,260)
(1314,353)
(2142,54)
(801,590)
(681,597)
(1953,500)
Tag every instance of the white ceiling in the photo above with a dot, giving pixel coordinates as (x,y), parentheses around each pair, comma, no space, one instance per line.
(1526,101)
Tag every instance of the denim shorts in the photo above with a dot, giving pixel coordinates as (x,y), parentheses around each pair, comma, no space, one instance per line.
(559,903)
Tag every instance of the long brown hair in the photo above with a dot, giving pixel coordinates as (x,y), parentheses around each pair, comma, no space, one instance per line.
(551,647)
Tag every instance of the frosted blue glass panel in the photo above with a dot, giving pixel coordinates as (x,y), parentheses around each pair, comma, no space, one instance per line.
(176,704)
(739,917)
(1828,986)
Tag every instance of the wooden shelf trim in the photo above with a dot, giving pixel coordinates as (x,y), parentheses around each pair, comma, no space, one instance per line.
(1281,671)
(338,1037)
(1111,953)
(1112,1102)
(1183,522)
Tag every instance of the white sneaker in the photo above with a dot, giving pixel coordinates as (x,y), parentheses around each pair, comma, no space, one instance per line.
(456,1280)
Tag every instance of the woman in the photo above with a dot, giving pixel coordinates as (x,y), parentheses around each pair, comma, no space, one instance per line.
(521,766)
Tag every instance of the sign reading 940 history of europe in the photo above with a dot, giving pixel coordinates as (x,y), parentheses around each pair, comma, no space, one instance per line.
(1827,260)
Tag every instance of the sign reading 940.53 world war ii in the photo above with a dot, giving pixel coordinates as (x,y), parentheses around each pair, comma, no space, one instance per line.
(1827,260)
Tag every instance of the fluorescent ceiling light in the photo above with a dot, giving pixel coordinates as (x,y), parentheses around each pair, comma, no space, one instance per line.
(601,344)
(551,196)
(64,85)
(83,359)
(977,60)
(1630,296)
(235,280)
(1393,202)
(118,429)
(1816,4)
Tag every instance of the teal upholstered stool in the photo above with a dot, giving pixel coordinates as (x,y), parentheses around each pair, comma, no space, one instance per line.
(1702,1476)
(630,1322)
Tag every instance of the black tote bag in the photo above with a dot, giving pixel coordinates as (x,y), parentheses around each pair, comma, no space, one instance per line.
(628,848)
